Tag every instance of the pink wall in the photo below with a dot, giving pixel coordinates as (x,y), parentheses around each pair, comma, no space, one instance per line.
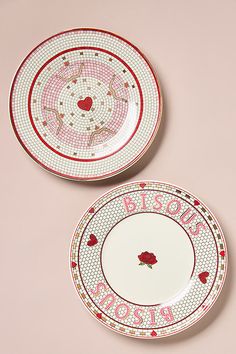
(192,43)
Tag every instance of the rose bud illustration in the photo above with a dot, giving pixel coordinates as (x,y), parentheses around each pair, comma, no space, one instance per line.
(147,258)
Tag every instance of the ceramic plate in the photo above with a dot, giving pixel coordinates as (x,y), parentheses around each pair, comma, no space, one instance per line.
(148,259)
(85,104)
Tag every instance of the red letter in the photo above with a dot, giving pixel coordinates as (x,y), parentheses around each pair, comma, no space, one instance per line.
(153,319)
(107,297)
(173,212)
(143,201)
(122,317)
(167,314)
(130,206)
(137,315)
(198,226)
(191,218)
(99,287)
(158,206)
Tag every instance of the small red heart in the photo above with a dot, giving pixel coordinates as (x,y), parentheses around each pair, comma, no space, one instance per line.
(153,333)
(196,202)
(92,240)
(222,253)
(66,63)
(99,315)
(91,210)
(142,185)
(85,104)
(73,264)
(203,277)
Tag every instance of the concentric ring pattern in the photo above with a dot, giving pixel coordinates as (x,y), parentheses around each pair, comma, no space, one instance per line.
(85,104)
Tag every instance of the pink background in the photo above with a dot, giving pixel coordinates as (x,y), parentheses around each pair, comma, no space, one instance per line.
(192,44)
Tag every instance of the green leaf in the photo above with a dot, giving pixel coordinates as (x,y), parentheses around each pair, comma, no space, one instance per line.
(149,266)
(141,263)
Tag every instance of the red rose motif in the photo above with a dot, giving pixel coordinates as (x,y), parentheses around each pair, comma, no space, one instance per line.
(147,258)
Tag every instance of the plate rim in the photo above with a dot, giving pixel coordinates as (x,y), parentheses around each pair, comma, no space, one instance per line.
(120,186)
(137,157)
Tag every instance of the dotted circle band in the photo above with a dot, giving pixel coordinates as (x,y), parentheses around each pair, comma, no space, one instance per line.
(205,282)
(85,104)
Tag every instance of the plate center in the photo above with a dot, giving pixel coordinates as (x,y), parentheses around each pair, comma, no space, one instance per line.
(148,258)
(88,106)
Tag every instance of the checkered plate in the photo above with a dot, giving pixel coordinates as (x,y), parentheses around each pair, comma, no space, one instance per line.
(148,259)
(85,104)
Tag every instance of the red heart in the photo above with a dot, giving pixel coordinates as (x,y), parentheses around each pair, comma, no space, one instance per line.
(222,253)
(196,202)
(73,264)
(153,334)
(99,315)
(142,185)
(92,240)
(85,104)
(203,277)
(91,210)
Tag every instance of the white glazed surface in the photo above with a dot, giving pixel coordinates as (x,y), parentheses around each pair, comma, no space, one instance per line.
(167,240)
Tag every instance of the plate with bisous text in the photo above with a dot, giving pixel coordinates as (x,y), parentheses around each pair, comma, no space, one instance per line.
(85,104)
(148,259)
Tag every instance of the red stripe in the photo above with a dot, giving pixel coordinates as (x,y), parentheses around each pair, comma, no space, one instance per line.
(32,87)
(106,175)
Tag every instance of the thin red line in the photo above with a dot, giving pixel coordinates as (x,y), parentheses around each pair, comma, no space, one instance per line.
(106,175)
(217,251)
(72,50)
(183,328)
